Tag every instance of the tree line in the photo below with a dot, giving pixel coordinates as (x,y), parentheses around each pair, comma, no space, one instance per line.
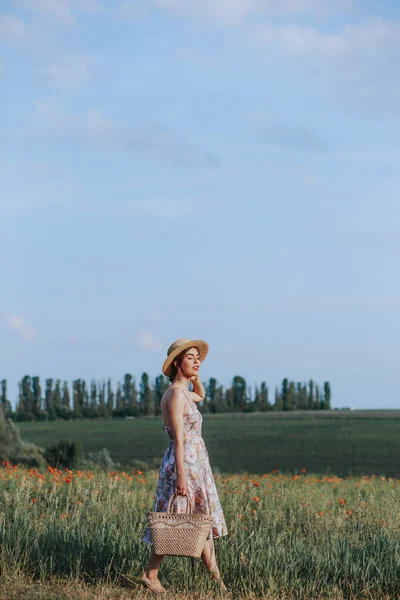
(101,400)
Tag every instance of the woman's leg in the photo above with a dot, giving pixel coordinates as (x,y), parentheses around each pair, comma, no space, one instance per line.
(150,573)
(208,558)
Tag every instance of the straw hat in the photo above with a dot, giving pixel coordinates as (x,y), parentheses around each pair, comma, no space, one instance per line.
(178,347)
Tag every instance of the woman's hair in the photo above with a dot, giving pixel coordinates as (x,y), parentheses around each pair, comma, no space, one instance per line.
(178,359)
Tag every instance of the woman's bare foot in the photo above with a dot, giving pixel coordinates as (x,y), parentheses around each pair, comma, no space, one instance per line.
(153,584)
(216,577)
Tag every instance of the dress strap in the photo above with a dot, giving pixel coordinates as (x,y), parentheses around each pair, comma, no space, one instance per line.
(188,397)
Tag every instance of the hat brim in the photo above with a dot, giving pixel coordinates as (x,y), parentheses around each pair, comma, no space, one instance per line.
(200,344)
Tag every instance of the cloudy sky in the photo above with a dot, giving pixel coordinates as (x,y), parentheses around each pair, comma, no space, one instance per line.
(217,169)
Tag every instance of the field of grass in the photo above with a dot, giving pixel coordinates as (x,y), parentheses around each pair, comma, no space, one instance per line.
(69,534)
(343,443)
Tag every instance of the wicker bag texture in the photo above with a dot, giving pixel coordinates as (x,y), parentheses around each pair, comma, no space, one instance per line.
(179,534)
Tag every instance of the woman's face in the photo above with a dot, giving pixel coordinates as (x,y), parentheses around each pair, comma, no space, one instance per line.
(191,362)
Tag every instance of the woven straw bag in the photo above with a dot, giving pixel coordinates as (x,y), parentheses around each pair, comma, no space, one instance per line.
(179,534)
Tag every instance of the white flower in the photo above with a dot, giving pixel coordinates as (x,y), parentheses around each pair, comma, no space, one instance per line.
(191,455)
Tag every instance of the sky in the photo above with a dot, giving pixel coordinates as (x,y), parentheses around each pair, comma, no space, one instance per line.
(225,170)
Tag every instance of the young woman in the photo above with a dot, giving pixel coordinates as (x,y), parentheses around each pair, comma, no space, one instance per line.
(185,468)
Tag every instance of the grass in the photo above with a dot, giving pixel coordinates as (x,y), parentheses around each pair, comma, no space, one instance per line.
(357,443)
(294,537)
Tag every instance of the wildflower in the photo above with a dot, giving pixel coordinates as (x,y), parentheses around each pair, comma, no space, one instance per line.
(303,470)
(320,513)
(342,502)
(256,484)
(256,499)
(67,480)
(348,512)
(240,516)
(34,500)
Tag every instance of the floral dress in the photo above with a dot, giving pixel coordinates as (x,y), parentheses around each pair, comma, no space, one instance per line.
(201,484)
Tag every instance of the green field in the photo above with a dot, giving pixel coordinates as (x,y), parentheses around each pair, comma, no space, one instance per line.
(300,537)
(343,443)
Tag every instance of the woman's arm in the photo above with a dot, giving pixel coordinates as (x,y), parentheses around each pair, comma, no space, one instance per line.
(176,407)
(198,389)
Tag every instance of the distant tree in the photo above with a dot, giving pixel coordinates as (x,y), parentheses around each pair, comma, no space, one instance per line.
(264,400)
(146,396)
(285,394)
(5,403)
(317,403)
(211,391)
(257,399)
(292,396)
(66,401)
(77,398)
(36,398)
(4,394)
(93,399)
(278,405)
(120,401)
(311,395)
(85,399)
(327,396)
(26,395)
(49,400)
(110,397)
(220,399)
(102,409)
(130,395)
(57,400)
(239,397)
(303,398)
(227,404)
(161,384)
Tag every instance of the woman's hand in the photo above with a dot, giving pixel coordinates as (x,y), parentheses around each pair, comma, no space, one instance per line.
(181,487)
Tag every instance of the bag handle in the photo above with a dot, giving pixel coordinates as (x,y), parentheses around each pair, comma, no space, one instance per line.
(189,503)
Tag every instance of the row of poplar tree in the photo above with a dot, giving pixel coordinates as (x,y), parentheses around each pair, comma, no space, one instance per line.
(100,399)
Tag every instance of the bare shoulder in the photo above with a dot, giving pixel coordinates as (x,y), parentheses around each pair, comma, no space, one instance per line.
(173,397)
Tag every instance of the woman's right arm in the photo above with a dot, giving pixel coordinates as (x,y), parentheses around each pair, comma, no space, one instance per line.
(176,407)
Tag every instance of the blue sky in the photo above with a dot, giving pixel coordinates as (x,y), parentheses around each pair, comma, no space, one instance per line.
(217,169)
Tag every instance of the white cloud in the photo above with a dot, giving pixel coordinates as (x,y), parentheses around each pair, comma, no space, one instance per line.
(166,208)
(61,10)
(11,29)
(97,123)
(300,40)
(71,70)
(153,317)
(373,35)
(133,9)
(235,12)
(146,140)
(17,324)
(145,340)
(356,65)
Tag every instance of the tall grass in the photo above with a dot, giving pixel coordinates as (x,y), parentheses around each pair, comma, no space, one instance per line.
(300,536)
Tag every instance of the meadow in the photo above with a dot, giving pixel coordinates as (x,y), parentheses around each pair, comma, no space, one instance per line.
(76,534)
(338,442)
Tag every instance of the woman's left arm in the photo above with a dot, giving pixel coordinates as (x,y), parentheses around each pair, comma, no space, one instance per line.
(198,389)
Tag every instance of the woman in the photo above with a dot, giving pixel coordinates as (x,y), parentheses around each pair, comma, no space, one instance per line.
(185,468)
